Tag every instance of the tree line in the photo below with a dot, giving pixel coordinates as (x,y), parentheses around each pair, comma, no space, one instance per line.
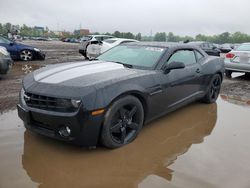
(226,37)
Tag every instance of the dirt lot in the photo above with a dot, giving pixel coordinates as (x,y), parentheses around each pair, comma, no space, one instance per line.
(56,52)
(197,146)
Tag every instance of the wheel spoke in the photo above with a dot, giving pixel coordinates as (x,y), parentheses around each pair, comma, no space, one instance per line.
(123,134)
(212,92)
(122,112)
(133,126)
(116,128)
(132,112)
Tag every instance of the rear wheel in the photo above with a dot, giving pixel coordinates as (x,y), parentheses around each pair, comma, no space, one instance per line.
(123,122)
(26,55)
(228,73)
(213,90)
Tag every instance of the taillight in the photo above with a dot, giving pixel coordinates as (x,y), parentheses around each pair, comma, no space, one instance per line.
(230,55)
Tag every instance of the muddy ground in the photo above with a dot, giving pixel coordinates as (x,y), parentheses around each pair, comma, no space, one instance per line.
(197,146)
(56,52)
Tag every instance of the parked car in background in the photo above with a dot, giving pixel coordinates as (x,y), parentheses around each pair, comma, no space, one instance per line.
(5,61)
(208,47)
(108,100)
(91,39)
(20,51)
(225,48)
(238,60)
(94,50)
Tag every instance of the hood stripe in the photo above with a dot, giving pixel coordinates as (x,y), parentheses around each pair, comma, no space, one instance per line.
(69,73)
(60,68)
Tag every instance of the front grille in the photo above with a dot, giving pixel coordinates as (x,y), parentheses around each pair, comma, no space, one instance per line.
(48,103)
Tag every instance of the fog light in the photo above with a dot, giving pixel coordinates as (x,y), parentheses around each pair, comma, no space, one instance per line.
(76,103)
(65,131)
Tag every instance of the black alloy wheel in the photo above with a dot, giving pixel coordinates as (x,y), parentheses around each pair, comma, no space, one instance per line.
(214,89)
(123,122)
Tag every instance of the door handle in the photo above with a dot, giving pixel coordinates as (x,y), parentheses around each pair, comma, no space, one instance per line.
(198,70)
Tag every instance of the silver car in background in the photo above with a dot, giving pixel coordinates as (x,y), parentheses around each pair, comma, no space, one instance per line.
(238,60)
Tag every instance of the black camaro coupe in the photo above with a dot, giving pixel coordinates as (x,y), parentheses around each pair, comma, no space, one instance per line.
(108,100)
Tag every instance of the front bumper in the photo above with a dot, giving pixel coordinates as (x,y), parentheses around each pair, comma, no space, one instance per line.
(85,129)
(83,52)
(238,67)
(39,55)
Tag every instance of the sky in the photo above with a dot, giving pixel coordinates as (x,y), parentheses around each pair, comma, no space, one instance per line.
(182,17)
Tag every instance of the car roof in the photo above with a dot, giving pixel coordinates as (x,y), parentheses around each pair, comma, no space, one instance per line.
(98,36)
(162,44)
(197,42)
(122,39)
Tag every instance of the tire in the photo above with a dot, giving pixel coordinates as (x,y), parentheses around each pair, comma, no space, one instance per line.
(122,122)
(247,74)
(26,55)
(213,89)
(228,73)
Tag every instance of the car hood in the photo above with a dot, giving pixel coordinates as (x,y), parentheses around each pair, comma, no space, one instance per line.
(82,77)
(24,46)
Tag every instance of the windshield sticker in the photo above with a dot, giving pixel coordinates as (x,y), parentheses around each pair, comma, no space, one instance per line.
(155,49)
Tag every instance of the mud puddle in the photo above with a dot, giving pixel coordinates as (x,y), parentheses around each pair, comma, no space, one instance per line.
(197,146)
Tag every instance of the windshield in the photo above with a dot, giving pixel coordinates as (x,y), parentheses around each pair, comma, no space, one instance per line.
(138,56)
(244,47)
(4,40)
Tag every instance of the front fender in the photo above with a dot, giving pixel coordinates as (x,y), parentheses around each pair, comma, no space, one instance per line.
(140,86)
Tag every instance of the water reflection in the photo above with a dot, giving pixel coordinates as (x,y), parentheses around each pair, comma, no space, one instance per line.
(53,164)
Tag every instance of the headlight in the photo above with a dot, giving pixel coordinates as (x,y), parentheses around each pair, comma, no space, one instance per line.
(37,50)
(67,103)
(4,51)
(75,103)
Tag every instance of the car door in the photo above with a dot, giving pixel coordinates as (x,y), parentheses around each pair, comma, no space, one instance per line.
(180,85)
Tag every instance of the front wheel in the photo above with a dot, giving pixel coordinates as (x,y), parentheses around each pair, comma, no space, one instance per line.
(123,122)
(213,90)
(26,55)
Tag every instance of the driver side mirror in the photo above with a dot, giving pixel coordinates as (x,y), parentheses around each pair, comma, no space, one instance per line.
(173,65)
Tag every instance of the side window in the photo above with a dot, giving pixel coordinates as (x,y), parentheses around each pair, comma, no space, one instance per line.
(199,56)
(106,37)
(210,46)
(205,45)
(185,56)
(99,38)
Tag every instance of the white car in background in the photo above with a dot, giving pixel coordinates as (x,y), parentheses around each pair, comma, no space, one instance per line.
(94,50)
(91,39)
(238,60)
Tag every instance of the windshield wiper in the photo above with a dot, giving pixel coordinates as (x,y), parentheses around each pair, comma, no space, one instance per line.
(94,59)
(124,64)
